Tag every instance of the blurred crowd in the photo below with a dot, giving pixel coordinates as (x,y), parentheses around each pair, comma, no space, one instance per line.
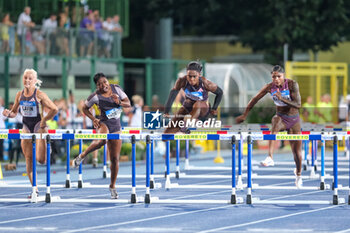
(324,111)
(58,34)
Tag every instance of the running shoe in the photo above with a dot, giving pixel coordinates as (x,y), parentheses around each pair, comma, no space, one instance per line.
(268,162)
(77,161)
(298,182)
(114,194)
(30,195)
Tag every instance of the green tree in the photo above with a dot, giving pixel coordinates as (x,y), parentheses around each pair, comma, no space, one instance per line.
(263,25)
(304,25)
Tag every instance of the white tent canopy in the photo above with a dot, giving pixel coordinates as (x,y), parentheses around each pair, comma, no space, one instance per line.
(239,82)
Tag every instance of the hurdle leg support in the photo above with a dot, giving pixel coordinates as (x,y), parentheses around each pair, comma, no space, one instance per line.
(233,196)
(249,196)
(68,184)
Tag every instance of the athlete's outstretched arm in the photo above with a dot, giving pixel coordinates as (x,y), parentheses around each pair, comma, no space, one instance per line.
(252,102)
(295,101)
(180,83)
(14,110)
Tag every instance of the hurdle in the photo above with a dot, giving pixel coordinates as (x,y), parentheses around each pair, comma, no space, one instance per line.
(336,200)
(134,199)
(233,198)
(70,136)
(34,198)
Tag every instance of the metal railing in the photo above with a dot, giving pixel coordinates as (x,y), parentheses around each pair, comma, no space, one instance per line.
(73,42)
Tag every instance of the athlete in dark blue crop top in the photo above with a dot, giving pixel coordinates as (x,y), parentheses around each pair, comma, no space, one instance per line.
(111,100)
(196,89)
(28,102)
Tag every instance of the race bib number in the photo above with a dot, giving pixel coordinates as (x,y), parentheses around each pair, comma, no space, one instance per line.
(28,108)
(114,113)
(285,95)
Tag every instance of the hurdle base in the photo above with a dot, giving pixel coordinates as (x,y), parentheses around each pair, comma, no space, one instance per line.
(151,184)
(147,198)
(68,185)
(104,175)
(48,198)
(249,199)
(233,199)
(322,186)
(305,167)
(349,200)
(80,184)
(133,198)
(335,200)
(177,174)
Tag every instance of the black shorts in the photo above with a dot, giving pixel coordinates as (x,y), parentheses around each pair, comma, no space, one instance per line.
(188,105)
(113,125)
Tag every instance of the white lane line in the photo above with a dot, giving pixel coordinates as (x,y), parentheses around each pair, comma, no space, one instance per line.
(268,219)
(343,231)
(61,214)
(28,229)
(145,219)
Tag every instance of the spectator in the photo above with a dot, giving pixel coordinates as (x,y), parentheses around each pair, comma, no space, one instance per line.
(62,113)
(87,34)
(101,43)
(62,34)
(108,26)
(35,37)
(5,36)
(156,105)
(325,109)
(117,26)
(309,110)
(67,21)
(24,22)
(135,117)
(72,111)
(2,126)
(55,144)
(49,31)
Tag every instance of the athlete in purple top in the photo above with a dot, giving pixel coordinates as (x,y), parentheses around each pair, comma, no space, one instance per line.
(196,103)
(286,96)
(30,101)
(111,100)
